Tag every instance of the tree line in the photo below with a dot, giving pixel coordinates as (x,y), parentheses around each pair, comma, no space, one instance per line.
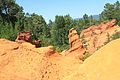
(13,20)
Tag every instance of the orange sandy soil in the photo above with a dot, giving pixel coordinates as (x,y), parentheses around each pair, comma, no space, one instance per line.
(25,62)
(104,64)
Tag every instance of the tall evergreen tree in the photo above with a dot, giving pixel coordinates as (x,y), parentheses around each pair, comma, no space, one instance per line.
(111,11)
(57,31)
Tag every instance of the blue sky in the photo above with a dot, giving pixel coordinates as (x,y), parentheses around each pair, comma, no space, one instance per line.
(76,8)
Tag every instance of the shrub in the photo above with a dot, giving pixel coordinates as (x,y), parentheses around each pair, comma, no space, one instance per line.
(86,55)
(115,36)
(61,48)
(8,33)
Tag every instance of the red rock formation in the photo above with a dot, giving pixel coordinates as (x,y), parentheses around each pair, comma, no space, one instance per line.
(26,37)
(74,39)
(98,29)
(76,46)
(96,36)
(37,43)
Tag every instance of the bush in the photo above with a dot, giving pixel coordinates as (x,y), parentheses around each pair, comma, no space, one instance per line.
(61,48)
(86,55)
(8,33)
(115,36)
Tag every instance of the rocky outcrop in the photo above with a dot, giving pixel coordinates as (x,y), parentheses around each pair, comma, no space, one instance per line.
(75,45)
(37,43)
(23,37)
(96,36)
(26,37)
(90,39)
(98,29)
(74,40)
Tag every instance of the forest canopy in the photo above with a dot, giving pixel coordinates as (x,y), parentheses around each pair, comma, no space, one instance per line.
(13,20)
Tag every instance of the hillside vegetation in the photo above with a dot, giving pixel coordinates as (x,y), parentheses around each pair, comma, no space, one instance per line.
(13,20)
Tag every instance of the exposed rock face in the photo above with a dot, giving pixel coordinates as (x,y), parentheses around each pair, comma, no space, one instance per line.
(26,37)
(96,36)
(98,29)
(74,40)
(102,65)
(76,46)
(37,43)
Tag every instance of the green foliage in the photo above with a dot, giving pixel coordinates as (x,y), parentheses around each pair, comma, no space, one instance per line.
(8,11)
(108,39)
(61,48)
(86,19)
(14,20)
(59,30)
(8,33)
(115,36)
(111,11)
(86,55)
(84,42)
